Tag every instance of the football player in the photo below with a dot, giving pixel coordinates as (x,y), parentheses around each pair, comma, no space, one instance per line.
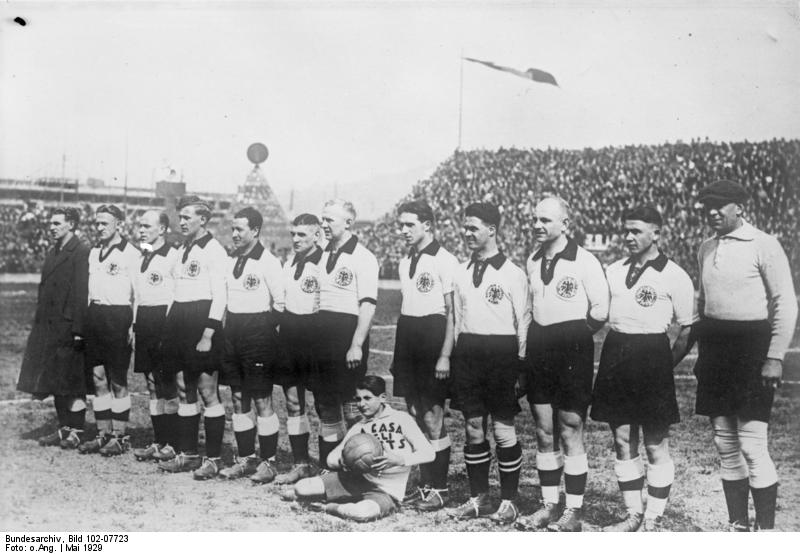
(378,493)
(748,311)
(348,281)
(113,265)
(298,323)
(255,301)
(155,286)
(492,315)
(424,342)
(570,303)
(192,340)
(634,387)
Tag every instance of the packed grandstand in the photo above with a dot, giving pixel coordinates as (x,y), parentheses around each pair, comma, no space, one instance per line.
(599,184)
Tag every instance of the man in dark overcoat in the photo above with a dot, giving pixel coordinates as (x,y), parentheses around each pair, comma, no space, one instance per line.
(53,361)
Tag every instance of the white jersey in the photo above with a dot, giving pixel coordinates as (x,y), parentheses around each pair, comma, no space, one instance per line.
(301,282)
(572,287)
(200,274)
(399,433)
(347,278)
(647,300)
(113,274)
(491,298)
(155,282)
(425,279)
(254,282)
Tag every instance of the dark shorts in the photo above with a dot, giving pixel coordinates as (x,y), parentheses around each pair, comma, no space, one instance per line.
(728,369)
(149,329)
(417,347)
(343,487)
(184,328)
(107,341)
(561,366)
(634,383)
(485,371)
(296,349)
(331,378)
(250,352)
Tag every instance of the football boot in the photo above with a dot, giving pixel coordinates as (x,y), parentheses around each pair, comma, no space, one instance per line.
(54,438)
(739,527)
(475,507)
(166,454)
(265,473)
(146,454)
(541,518)
(569,522)
(506,514)
(118,444)
(181,462)
(298,471)
(72,440)
(651,525)
(420,493)
(93,446)
(242,467)
(435,499)
(630,524)
(208,469)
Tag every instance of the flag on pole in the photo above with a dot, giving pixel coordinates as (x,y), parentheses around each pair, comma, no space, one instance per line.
(533,74)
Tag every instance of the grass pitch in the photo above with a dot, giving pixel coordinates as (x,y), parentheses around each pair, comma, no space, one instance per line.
(47,489)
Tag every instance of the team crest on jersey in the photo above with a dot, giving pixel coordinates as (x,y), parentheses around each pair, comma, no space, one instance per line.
(154,278)
(251,281)
(646,296)
(193,268)
(494,294)
(344,277)
(425,282)
(112,268)
(567,287)
(309,285)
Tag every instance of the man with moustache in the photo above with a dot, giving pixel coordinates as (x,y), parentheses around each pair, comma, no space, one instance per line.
(53,361)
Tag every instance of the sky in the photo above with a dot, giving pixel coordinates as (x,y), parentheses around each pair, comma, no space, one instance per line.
(362,98)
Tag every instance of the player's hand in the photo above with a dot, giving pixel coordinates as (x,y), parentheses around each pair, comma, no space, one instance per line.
(443,368)
(132,338)
(205,342)
(771,373)
(521,386)
(353,357)
(388,460)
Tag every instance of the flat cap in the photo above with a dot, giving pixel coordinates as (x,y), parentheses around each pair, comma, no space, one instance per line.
(724,191)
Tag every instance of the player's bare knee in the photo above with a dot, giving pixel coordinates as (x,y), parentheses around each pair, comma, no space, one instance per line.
(264,407)
(475,429)
(657,454)
(309,487)
(362,512)
(432,422)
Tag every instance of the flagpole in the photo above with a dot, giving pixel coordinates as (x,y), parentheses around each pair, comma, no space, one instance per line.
(460,98)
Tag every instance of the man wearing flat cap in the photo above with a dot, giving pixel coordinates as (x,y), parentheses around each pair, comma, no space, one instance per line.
(748,309)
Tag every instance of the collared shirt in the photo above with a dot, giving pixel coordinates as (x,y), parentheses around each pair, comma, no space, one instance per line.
(745,276)
(155,280)
(347,278)
(646,300)
(200,275)
(426,277)
(399,433)
(301,282)
(112,274)
(254,282)
(491,298)
(572,287)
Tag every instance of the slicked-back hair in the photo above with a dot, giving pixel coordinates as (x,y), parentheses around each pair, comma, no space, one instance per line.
(254,218)
(419,208)
(163,220)
(111,209)
(201,207)
(71,215)
(374,384)
(306,219)
(486,212)
(343,204)
(648,214)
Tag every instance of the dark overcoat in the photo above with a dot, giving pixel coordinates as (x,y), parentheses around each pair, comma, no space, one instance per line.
(52,365)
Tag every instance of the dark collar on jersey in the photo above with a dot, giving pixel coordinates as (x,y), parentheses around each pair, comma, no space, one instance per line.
(479,266)
(121,245)
(432,249)
(570,253)
(148,256)
(313,256)
(348,248)
(658,263)
(241,260)
(201,242)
